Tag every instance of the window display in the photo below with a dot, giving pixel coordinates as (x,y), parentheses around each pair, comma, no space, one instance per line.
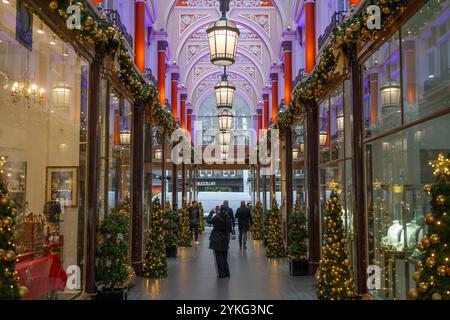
(43,118)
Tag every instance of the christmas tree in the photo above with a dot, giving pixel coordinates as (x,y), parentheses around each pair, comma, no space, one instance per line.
(258,222)
(335,281)
(275,243)
(170,227)
(155,260)
(433,275)
(112,271)
(201,226)
(9,289)
(184,235)
(298,232)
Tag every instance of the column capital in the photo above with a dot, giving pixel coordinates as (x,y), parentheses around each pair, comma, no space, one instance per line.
(259,112)
(274,77)
(175,77)
(163,45)
(286,45)
(266,97)
(189,112)
(183,97)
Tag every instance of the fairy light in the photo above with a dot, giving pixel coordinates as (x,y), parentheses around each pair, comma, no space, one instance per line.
(440,165)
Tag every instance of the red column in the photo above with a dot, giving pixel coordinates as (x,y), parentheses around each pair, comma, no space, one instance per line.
(260,123)
(410,57)
(183,98)
(266,111)
(139,37)
(162,46)
(175,78)
(274,79)
(354,2)
(97,1)
(374,90)
(310,36)
(287,48)
(189,123)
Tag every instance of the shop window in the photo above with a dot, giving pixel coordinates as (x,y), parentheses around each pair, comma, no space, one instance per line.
(44,141)
(324,125)
(382,89)
(396,171)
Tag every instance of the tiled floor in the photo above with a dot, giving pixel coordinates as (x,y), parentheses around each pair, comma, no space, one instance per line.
(192,276)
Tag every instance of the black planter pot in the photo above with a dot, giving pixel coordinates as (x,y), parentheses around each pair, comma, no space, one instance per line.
(298,267)
(112,294)
(171,252)
(265,242)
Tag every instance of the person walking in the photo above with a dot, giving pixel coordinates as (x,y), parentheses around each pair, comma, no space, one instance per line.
(194,219)
(244,217)
(230,212)
(219,240)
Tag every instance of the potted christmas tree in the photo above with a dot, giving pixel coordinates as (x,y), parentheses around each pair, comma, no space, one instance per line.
(297,249)
(275,244)
(155,259)
(257,227)
(112,271)
(170,232)
(201,226)
(184,234)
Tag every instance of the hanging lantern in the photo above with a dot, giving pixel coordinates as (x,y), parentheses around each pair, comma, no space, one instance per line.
(390,95)
(225,120)
(61,94)
(125,136)
(224,156)
(224,138)
(302,147)
(295,153)
(224,93)
(340,122)
(323,138)
(158,154)
(225,148)
(223,37)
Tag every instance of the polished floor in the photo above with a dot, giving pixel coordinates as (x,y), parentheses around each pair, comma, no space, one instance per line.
(192,276)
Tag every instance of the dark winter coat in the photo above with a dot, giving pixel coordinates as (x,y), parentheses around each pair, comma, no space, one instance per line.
(194,216)
(231,215)
(220,235)
(244,216)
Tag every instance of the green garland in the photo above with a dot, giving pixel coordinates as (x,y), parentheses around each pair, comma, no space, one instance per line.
(100,31)
(349,32)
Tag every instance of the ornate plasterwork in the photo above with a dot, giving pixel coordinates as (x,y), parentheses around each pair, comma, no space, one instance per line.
(251,71)
(194,49)
(234,3)
(188,19)
(199,70)
(262,20)
(246,34)
(255,49)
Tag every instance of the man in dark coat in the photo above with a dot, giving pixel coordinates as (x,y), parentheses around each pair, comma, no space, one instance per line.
(194,219)
(231,214)
(219,240)
(244,216)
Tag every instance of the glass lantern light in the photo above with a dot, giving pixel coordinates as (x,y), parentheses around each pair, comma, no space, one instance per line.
(158,154)
(295,153)
(340,121)
(302,147)
(125,136)
(225,120)
(61,95)
(390,95)
(223,38)
(224,138)
(225,148)
(224,93)
(323,138)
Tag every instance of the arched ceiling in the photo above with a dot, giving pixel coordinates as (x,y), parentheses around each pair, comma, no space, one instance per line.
(261,23)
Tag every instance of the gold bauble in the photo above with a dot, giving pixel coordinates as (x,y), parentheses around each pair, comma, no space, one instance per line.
(430,262)
(413,294)
(427,188)
(89,21)
(442,270)
(416,276)
(423,286)
(419,264)
(349,293)
(430,218)
(10,256)
(53,5)
(434,238)
(23,291)
(5,201)
(420,246)
(426,242)
(7,221)
(440,200)
(385,10)
(436,296)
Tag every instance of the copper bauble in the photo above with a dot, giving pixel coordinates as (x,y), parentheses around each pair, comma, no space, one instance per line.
(426,242)
(23,292)
(430,262)
(5,201)
(416,276)
(53,5)
(440,200)
(429,219)
(442,270)
(413,294)
(419,264)
(423,286)
(434,238)
(427,188)
(385,10)
(436,296)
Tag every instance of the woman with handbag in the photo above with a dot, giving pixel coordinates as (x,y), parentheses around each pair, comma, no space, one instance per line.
(219,240)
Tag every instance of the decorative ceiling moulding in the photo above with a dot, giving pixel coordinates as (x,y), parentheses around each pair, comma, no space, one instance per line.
(250,101)
(246,34)
(188,19)
(234,76)
(262,20)
(254,49)
(195,49)
(197,71)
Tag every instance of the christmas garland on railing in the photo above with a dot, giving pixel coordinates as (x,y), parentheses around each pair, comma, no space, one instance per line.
(100,31)
(349,32)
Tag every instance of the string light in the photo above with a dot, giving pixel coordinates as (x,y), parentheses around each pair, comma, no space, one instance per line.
(440,165)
